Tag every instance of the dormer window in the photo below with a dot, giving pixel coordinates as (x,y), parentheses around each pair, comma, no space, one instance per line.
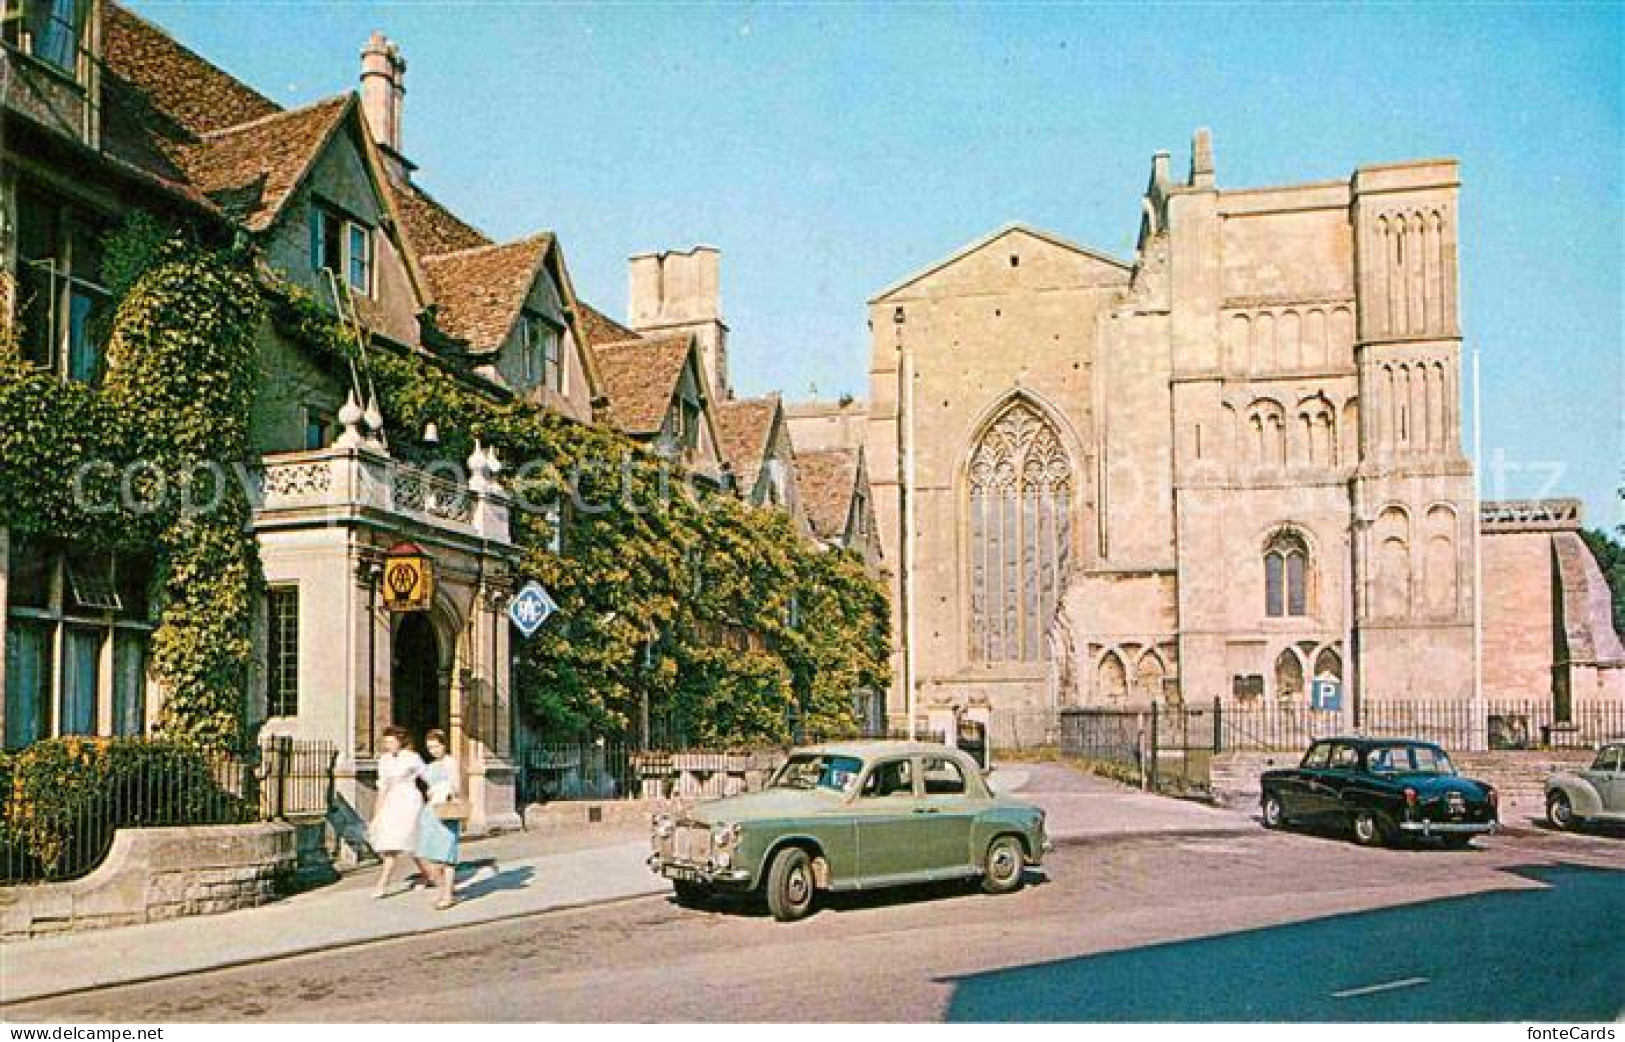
(689,411)
(343,246)
(541,360)
(50,30)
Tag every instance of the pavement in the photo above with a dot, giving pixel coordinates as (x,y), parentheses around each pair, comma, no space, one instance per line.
(508,877)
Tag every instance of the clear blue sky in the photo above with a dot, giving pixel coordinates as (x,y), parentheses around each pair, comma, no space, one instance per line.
(830,149)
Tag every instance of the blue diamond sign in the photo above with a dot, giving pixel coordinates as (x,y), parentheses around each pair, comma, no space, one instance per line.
(530,608)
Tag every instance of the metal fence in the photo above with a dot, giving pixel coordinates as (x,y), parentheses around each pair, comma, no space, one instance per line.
(64,831)
(1505,724)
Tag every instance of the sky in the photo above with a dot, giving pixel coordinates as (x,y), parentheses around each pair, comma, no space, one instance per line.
(830,149)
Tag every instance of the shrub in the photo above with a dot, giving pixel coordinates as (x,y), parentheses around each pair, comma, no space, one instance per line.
(65,797)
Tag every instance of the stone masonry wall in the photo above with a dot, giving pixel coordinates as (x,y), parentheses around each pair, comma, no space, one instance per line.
(158,873)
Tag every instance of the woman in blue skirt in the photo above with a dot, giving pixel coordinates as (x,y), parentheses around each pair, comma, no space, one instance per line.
(437,835)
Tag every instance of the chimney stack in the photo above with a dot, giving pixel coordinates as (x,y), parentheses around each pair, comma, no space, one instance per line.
(383,91)
(679,291)
(1202,159)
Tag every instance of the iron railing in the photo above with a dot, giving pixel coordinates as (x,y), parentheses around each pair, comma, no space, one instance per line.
(66,832)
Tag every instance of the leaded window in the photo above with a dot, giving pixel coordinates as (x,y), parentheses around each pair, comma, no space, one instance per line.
(1020,530)
(1286,581)
(282,651)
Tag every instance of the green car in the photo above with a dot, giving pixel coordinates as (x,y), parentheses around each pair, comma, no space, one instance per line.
(851,816)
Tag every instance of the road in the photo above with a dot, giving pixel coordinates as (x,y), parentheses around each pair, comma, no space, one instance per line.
(1265,927)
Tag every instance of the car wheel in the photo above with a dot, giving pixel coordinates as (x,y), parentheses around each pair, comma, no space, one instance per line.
(1274,815)
(1004,866)
(790,886)
(1560,812)
(1369,830)
(692,895)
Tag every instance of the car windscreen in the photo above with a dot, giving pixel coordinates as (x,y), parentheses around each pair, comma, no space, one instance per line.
(1408,759)
(818,771)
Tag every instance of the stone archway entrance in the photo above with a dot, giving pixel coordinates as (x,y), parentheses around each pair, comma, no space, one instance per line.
(415,676)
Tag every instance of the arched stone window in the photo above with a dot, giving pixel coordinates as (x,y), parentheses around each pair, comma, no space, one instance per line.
(1020,529)
(1286,576)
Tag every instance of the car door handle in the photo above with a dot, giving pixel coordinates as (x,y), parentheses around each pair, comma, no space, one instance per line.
(925,810)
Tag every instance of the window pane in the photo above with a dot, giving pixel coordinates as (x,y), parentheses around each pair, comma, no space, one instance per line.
(38,226)
(318,429)
(1273,581)
(1296,595)
(28,680)
(134,576)
(36,293)
(360,259)
(55,24)
(84,350)
(28,580)
(943,778)
(86,247)
(282,652)
(81,676)
(129,683)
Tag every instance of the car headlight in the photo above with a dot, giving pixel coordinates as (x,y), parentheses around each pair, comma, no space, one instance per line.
(724,835)
(662,826)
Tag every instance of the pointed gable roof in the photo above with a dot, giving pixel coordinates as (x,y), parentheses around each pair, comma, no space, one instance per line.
(744,427)
(480,291)
(1014,228)
(828,480)
(251,170)
(640,379)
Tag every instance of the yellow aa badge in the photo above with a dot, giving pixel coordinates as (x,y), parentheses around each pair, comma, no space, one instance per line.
(408,578)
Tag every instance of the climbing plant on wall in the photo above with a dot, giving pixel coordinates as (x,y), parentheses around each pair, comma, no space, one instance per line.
(142,461)
(654,577)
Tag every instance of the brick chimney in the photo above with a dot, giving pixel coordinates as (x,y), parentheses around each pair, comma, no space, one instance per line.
(679,291)
(383,94)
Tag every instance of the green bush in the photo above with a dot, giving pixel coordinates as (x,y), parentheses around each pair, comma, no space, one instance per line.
(65,797)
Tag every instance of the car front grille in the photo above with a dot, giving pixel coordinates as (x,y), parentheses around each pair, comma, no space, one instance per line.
(692,843)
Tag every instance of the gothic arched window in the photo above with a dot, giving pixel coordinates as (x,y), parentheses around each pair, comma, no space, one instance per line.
(1286,576)
(1020,528)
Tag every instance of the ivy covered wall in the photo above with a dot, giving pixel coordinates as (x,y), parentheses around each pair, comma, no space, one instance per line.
(653,577)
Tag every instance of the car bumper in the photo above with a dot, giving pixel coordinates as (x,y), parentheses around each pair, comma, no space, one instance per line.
(1448,828)
(704,874)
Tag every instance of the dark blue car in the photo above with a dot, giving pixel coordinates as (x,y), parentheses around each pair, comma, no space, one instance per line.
(1381,789)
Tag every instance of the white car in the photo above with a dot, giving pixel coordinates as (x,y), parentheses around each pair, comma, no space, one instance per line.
(1595,794)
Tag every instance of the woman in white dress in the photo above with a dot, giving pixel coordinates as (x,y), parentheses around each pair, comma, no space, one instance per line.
(394,827)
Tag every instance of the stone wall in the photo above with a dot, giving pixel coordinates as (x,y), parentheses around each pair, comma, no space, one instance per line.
(159,873)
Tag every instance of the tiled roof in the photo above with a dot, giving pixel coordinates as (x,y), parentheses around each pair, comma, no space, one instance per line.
(743,427)
(599,328)
(826,481)
(250,170)
(431,227)
(640,377)
(480,291)
(197,95)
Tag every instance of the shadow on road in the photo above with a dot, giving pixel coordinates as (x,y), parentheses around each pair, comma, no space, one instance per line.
(1546,954)
(752,905)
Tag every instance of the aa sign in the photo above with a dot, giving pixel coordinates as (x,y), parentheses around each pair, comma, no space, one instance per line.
(408,580)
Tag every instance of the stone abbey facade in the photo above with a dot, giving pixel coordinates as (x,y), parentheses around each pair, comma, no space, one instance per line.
(1222,470)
